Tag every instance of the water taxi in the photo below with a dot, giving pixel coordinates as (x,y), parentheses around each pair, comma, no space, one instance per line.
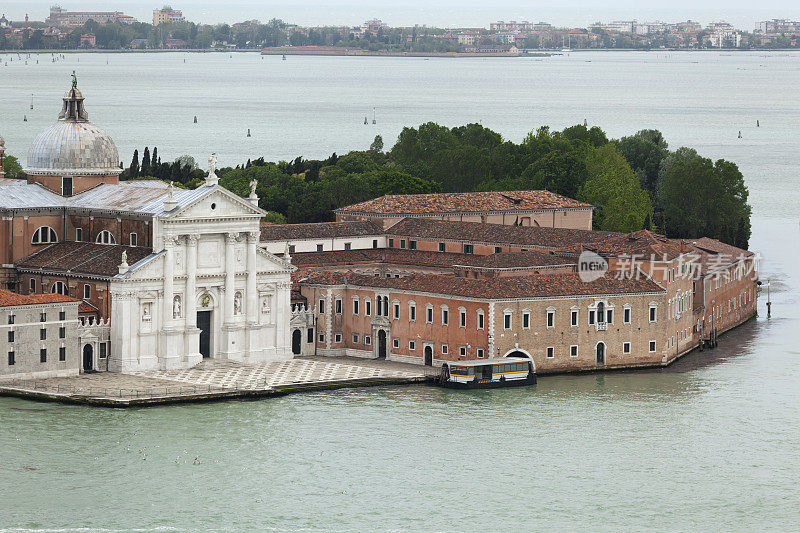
(487,373)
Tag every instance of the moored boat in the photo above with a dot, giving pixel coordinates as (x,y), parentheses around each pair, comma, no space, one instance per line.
(487,373)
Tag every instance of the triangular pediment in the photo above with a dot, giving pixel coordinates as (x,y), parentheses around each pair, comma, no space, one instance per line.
(217,203)
(151,267)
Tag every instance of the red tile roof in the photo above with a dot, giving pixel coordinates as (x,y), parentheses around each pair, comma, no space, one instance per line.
(712,255)
(464,202)
(517,287)
(511,260)
(83,258)
(8,298)
(643,243)
(495,234)
(320,230)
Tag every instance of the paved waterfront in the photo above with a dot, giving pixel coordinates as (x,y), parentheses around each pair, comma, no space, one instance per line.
(215,379)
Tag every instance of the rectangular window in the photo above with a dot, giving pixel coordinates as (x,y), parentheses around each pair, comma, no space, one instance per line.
(652,313)
(134,239)
(321,337)
(591,317)
(551,319)
(348,245)
(338,306)
(292,249)
(43,355)
(573,319)
(412,312)
(66,186)
(10,319)
(412,345)
(550,352)
(412,245)
(573,351)
(62,315)
(337,337)
(374,243)
(462,319)
(42,334)
(610,316)
(391,243)
(103,350)
(87,291)
(480,353)
(652,346)
(321,306)
(462,351)
(403,244)
(367,340)
(468,249)
(395,343)
(626,316)
(320,247)
(480,320)
(62,353)
(310,336)
(626,347)
(11,359)
(355,338)
(445,317)
(429,315)
(11,336)
(355,307)
(62,332)
(367,307)
(507,321)
(444,349)
(32,285)
(78,234)
(396,311)
(441,247)
(497,249)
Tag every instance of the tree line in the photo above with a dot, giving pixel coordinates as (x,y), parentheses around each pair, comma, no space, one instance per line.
(634,182)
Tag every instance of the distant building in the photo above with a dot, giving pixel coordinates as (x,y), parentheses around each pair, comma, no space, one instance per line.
(174,43)
(767,26)
(73,19)
(512,26)
(167,15)
(88,41)
(4,22)
(723,35)
(468,38)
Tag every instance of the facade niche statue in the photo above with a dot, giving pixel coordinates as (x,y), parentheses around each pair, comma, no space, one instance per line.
(176,307)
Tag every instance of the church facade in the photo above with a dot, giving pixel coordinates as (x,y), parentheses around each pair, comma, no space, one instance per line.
(165,276)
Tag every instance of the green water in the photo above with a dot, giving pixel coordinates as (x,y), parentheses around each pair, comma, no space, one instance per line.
(708,444)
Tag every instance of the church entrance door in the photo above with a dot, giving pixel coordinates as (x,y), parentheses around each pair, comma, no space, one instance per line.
(297,337)
(87,358)
(204,325)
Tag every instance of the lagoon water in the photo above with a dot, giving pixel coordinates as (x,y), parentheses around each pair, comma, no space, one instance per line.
(710,443)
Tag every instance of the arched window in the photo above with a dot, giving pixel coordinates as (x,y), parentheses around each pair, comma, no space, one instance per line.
(105,237)
(44,235)
(59,287)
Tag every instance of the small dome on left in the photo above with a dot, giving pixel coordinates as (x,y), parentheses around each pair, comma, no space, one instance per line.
(73,145)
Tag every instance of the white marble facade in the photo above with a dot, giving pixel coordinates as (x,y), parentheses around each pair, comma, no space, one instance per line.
(210,290)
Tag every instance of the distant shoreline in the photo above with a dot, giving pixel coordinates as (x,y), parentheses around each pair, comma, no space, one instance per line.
(369,53)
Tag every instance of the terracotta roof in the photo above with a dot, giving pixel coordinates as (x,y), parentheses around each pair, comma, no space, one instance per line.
(643,243)
(535,286)
(83,258)
(86,307)
(534,236)
(509,260)
(372,256)
(8,298)
(712,255)
(464,202)
(320,230)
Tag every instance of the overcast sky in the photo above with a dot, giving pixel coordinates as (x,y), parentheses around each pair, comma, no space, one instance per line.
(579,13)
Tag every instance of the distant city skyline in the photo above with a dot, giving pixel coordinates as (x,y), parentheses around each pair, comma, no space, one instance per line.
(449,13)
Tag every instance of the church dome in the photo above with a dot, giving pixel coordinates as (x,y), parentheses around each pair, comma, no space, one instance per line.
(73,145)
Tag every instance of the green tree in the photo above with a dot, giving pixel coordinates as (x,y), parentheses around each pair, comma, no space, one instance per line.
(645,151)
(145,169)
(377,144)
(133,170)
(698,197)
(613,188)
(12,167)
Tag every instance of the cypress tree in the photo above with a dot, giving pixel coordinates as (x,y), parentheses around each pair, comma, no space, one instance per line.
(146,162)
(134,169)
(154,162)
